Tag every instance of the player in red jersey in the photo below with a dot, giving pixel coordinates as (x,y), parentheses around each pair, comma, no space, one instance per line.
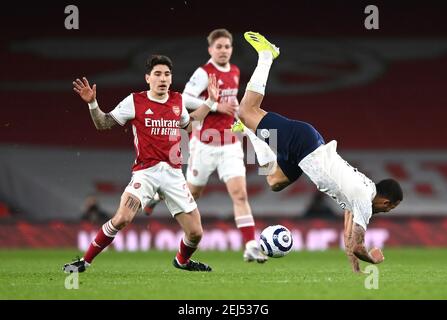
(156,115)
(213,146)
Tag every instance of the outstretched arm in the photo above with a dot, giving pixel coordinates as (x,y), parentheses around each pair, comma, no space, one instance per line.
(195,86)
(101,120)
(194,103)
(358,245)
(348,242)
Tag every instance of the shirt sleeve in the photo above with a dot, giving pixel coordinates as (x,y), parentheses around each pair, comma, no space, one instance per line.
(184,118)
(362,212)
(192,103)
(197,83)
(124,111)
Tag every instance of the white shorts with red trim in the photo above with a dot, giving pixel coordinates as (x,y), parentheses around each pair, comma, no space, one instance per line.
(168,182)
(204,159)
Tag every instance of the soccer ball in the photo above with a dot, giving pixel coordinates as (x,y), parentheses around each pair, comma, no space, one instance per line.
(276,241)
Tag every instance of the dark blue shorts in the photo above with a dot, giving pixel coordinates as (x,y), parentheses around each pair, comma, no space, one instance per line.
(295,140)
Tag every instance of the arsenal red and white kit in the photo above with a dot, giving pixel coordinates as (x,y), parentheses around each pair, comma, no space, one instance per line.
(156,128)
(214,146)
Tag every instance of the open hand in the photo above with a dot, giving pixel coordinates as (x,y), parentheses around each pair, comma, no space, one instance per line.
(377,255)
(83,89)
(213,88)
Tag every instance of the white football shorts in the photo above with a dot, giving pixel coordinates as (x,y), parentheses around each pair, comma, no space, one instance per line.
(204,159)
(168,182)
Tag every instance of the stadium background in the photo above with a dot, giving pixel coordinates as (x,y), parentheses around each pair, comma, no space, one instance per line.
(380,93)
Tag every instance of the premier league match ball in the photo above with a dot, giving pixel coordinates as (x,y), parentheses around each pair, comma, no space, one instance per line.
(276,241)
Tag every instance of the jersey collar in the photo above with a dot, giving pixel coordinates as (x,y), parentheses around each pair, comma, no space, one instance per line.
(221,69)
(157,100)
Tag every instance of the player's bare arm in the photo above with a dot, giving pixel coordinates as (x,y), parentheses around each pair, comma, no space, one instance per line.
(348,242)
(200,113)
(375,255)
(101,120)
(222,107)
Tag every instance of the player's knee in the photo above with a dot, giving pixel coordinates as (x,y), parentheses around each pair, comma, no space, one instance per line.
(195,235)
(121,220)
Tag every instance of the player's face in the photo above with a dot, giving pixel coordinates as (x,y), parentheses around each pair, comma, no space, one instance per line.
(383,205)
(220,51)
(159,80)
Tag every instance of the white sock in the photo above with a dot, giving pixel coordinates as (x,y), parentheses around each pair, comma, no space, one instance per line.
(263,152)
(109,230)
(244,221)
(259,77)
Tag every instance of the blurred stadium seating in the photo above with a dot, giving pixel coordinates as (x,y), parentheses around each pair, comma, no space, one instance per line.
(381,96)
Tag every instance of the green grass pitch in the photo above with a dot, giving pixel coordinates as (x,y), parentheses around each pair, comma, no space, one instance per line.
(405,274)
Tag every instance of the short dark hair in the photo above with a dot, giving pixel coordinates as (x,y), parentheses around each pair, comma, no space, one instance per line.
(390,189)
(219,33)
(157,59)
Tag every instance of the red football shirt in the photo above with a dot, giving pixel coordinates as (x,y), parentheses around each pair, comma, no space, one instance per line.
(156,127)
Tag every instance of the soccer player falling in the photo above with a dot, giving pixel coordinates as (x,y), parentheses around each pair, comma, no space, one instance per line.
(156,115)
(301,148)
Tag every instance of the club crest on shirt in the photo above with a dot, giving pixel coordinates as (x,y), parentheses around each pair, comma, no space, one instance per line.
(176,110)
(265,133)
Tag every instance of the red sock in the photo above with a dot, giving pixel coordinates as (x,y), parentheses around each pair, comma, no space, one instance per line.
(103,238)
(185,251)
(248,233)
(246,225)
